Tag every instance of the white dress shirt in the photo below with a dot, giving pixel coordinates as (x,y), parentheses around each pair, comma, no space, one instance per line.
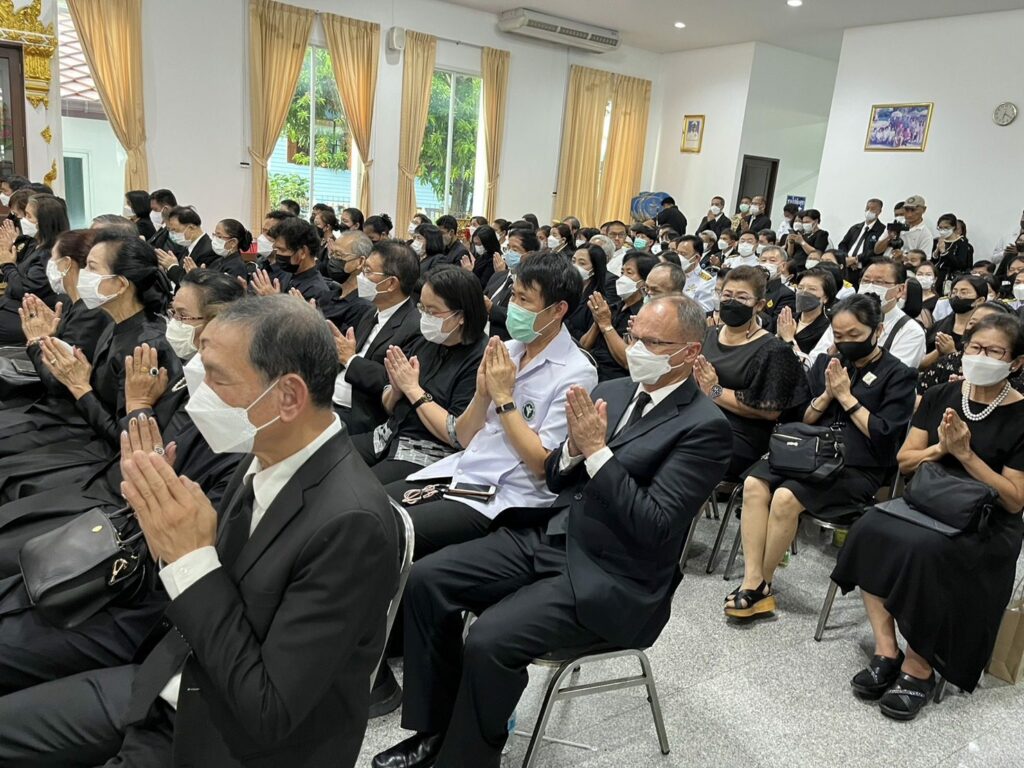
(615,262)
(1000,250)
(266,484)
(919,238)
(599,458)
(342,389)
(740,261)
(194,243)
(908,347)
(539,394)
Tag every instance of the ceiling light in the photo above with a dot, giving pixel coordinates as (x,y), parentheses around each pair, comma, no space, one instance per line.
(794,3)
(680,25)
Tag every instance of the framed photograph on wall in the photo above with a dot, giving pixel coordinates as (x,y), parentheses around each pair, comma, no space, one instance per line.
(899,127)
(693,133)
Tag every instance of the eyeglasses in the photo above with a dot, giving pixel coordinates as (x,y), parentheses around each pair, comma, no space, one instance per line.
(742,298)
(973,348)
(174,314)
(885,283)
(629,338)
(424,311)
(367,271)
(958,294)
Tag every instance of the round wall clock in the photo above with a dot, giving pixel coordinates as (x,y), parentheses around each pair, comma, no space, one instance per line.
(1005,113)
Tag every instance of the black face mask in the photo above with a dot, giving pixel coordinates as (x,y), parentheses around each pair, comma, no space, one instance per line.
(286,265)
(961,305)
(336,270)
(805,302)
(734,314)
(852,351)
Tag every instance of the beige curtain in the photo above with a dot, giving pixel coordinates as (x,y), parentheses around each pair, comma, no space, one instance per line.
(579,168)
(111,35)
(624,158)
(494,65)
(355,50)
(418,70)
(278,36)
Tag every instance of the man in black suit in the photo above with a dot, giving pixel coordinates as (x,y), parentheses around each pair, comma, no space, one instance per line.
(670,216)
(454,248)
(859,241)
(161,201)
(499,288)
(757,219)
(388,279)
(636,467)
(186,231)
(716,219)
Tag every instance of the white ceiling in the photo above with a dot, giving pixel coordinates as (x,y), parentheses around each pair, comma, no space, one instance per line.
(815,28)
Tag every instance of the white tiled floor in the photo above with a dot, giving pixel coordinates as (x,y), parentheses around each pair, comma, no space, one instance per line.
(763,695)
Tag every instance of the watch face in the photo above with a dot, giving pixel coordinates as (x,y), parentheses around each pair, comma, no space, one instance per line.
(1005,113)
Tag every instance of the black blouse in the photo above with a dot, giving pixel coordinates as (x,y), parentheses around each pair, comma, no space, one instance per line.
(808,338)
(80,327)
(887,389)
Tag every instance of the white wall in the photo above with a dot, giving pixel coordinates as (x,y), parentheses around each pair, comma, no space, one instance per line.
(103,163)
(197,99)
(713,82)
(787,117)
(971,167)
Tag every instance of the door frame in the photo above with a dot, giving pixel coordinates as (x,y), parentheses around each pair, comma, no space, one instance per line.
(772,178)
(15,56)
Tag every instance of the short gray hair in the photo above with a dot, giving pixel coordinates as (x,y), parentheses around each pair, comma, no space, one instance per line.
(690,315)
(115,223)
(605,243)
(288,336)
(358,243)
(676,275)
(782,253)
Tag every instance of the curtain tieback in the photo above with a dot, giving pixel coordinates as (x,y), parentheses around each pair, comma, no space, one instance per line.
(410,175)
(492,183)
(260,161)
(367,164)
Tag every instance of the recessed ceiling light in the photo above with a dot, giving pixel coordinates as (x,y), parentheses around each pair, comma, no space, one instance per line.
(680,25)
(794,3)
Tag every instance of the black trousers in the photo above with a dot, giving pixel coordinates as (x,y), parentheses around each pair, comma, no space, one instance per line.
(442,522)
(517,583)
(74,721)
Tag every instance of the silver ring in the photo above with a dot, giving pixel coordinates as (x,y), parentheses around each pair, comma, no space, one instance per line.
(158,450)
(154,372)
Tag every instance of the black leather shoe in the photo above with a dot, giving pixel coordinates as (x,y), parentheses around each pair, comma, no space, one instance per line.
(907,697)
(386,695)
(877,677)
(419,751)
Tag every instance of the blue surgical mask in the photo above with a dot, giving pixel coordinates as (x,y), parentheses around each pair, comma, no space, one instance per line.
(512,258)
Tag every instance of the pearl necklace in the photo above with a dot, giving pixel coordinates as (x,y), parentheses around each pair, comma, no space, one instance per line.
(965,401)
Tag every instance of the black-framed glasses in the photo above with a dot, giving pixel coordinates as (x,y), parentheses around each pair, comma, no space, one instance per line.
(650,343)
(973,348)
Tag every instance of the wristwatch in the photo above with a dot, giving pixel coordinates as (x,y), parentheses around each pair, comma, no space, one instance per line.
(506,408)
(716,392)
(427,398)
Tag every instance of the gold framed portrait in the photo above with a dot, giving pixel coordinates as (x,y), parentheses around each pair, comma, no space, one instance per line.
(899,127)
(693,133)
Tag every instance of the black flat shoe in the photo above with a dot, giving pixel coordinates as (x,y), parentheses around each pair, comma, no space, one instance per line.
(419,751)
(905,699)
(386,695)
(877,677)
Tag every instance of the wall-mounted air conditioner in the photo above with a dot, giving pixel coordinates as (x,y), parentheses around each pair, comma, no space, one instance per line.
(543,26)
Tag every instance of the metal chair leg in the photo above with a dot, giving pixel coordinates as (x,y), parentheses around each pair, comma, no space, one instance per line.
(940,691)
(550,697)
(826,610)
(720,538)
(652,698)
(689,541)
(733,552)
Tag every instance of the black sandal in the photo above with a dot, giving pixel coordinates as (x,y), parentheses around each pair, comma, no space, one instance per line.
(907,698)
(877,677)
(747,603)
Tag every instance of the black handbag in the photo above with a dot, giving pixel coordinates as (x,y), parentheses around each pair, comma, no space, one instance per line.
(74,571)
(17,374)
(957,501)
(806,451)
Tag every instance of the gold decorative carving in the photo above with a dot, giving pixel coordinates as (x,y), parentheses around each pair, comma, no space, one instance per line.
(39,43)
(51,175)
(47,134)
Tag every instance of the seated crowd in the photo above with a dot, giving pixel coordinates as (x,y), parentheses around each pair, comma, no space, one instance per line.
(551,404)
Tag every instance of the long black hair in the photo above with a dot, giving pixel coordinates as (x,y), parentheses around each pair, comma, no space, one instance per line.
(51,218)
(488,239)
(135,260)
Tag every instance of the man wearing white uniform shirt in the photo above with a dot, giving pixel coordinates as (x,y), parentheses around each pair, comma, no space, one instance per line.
(901,335)
(517,415)
(700,285)
(746,252)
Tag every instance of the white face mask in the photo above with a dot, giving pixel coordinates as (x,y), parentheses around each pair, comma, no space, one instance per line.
(264,245)
(812,263)
(55,276)
(901,220)
(878,290)
(157,218)
(194,374)
(432,328)
(5,200)
(412,229)
(417,245)
(225,429)
(716,210)
(586,274)
(927,282)
(645,367)
(128,212)
(773,269)
(472,231)
(553,242)
(29,228)
(178,238)
(88,289)
(480,250)
(1018,291)
(656,249)
(746,249)
(723,245)
(580,242)
(945,232)
(218,244)
(760,249)
(366,288)
(755,210)
(798,226)
(626,287)
(181,336)
(983,371)
(870,216)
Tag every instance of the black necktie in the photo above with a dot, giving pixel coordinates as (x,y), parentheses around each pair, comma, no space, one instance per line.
(860,241)
(235,531)
(642,401)
(363,332)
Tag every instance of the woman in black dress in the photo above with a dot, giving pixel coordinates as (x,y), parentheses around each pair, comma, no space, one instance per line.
(480,261)
(946,594)
(952,254)
(815,292)
(591,262)
(867,394)
(945,336)
(931,292)
(604,340)
(948,366)
(748,372)
(230,240)
(137,209)
(433,386)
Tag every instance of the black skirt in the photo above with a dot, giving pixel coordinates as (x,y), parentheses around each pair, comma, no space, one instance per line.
(853,485)
(947,594)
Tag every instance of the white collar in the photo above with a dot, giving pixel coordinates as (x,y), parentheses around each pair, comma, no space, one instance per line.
(661,393)
(267,483)
(384,315)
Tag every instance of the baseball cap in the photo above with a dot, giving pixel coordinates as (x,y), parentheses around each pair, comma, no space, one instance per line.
(915,201)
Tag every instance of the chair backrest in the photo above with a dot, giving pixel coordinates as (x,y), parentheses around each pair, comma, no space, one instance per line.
(406,543)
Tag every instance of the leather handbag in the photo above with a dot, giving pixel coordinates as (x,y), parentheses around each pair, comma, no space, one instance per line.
(17,374)
(806,452)
(954,499)
(74,571)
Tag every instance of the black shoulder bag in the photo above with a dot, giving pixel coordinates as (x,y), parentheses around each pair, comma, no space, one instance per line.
(806,451)
(948,502)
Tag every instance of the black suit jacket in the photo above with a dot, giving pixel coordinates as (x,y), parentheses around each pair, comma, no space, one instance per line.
(499,303)
(284,641)
(672,217)
(718,226)
(757,223)
(627,524)
(867,250)
(162,240)
(366,373)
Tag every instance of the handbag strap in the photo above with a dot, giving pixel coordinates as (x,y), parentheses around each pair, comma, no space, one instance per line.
(887,344)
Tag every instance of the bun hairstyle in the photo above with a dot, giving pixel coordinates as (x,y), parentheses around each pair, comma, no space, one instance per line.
(867,308)
(135,260)
(235,230)
(380,224)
